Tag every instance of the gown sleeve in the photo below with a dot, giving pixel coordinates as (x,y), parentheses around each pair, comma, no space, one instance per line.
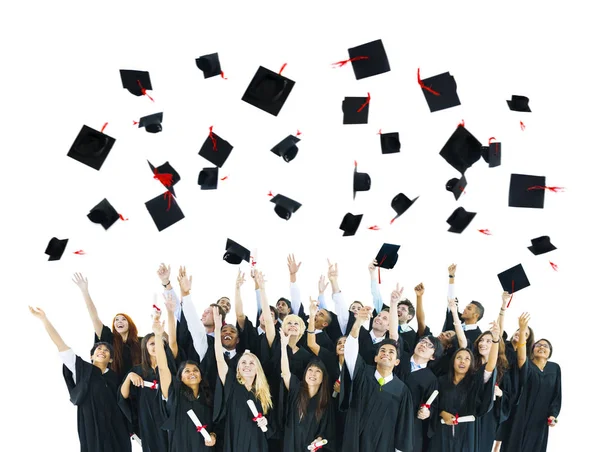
(222,394)
(556,401)
(78,391)
(405,424)
(106,335)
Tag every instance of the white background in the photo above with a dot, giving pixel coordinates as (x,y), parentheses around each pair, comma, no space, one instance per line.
(61,70)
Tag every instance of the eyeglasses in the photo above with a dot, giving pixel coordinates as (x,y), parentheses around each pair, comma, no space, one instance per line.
(542,346)
(427,343)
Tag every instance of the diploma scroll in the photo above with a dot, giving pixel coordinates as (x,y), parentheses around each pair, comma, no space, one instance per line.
(151,384)
(462,419)
(431,398)
(252,407)
(136,439)
(198,424)
(318,445)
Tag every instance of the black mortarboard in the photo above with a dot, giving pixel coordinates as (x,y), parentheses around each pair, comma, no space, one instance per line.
(235,253)
(376,62)
(541,245)
(361,182)
(152,123)
(390,143)
(209,65)
(459,220)
(401,203)
(268,91)
(514,279)
(104,214)
(134,81)
(350,224)
(56,248)
(387,256)
(492,154)
(164,210)
(519,103)
(457,186)
(351,107)
(445,85)
(526,191)
(91,147)
(208,179)
(285,207)
(287,148)
(215,149)
(461,150)
(165,169)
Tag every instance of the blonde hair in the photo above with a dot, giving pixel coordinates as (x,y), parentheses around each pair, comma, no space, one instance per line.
(301,327)
(260,386)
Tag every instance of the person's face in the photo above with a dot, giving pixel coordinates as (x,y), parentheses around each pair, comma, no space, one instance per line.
(151,346)
(101,355)
(225,304)
(247,366)
(340,346)
(229,337)
(382,321)
(517,335)
(261,319)
(462,362)
(403,315)
(314,376)
(446,338)
(292,328)
(207,317)
(485,345)
(541,350)
(387,356)
(355,307)
(424,349)
(321,319)
(191,375)
(121,324)
(470,312)
(282,307)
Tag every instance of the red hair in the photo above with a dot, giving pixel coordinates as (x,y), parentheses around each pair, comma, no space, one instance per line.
(132,340)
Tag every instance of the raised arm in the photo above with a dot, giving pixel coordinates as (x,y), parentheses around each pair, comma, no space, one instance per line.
(222,366)
(269,326)
(285,364)
(323,284)
(351,347)
(293,268)
(171,306)
(505,299)
(164,274)
(493,359)
(341,308)
(195,325)
(377,300)
(522,346)
(460,334)
(82,283)
(394,300)
(60,344)
(421,325)
(311,338)
(239,306)
(161,358)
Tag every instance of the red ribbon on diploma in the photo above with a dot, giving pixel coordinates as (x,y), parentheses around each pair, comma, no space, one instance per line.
(426,405)
(199,428)
(153,384)
(257,417)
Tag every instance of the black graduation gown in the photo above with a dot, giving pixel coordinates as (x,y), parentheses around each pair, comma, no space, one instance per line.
(487,426)
(248,334)
(300,433)
(513,375)
(332,364)
(367,349)
(471,335)
(540,398)
(183,435)
(185,343)
(471,397)
(241,432)
(127,362)
(378,418)
(100,424)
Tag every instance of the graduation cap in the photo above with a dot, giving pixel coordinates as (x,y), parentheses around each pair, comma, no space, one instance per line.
(56,248)
(387,256)
(401,203)
(152,123)
(235,253)
(492,154)
(459,220)
(215,149)
(461,150)
(350,224)
(444,87)
(375,63)
(390,142)
(456,186)
(287,148)
(164,210)
(513,279)
(526,191)
(268,91)
(541,245)
(209,65)
(519,103)
(136,82)
(91,147)
(166,175)
(361,182)
(285,207)
(208,179)
(356,110)
(104,214)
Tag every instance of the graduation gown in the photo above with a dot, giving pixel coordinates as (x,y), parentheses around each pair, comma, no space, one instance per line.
(126,357)
(100,424)
(241,432)
(513,374)
(378,418)
(183,435)
(471,397)
(540,398)
(300,433)
(332,364)
(487,426)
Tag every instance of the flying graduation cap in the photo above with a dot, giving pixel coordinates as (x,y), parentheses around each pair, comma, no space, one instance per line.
(459,220)
(361,181)
(152,123)
(439,91)
(91,147)
(390,142)
(457,186)
(514,279)
(541,245)
(208,179)
(56,248)
(526,191)
(164,210)
(492,154)
(461,150)
(519,103)
(136,82)
(166,174)
(104,214)
(235,253)
(350,224)
(215,149)
(209,65)
(356,110)
(268,91)
(401,203)
(287,148)
(369,59)
(284,206)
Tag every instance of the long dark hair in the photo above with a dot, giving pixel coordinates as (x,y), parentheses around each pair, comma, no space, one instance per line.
(132,341)
(146,358)
(322,395)
(471,370)
(501,364)
(529,343)
(463,388)
(204,389)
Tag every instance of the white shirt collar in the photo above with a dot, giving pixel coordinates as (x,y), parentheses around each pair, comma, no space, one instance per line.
(260,330)
(386,380)
(405,328)
(232,353)
(376,340)
(414,366)
(469,327)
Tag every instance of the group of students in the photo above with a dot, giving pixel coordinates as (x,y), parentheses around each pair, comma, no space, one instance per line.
(344,377)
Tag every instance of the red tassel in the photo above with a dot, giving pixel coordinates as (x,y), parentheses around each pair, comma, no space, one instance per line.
(462,123)
(144,93)
(282,68)
(511,294)
(270,193)
(298,133)
(365,104)
(123,219)
(223,75)
(554,266)
(374,228)
(522,125)
(490,140)
(135,123)
(552,189)
(103,127)
(165,178)
(169,196)
(343,63)
(392,222)
(212,138)
(156,307)
(485,231)
(462,189)
(223,178)
(379,133)
(80,252)
(379,267)
(422,85)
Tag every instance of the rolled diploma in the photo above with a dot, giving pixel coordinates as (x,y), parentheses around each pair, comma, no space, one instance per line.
(463,419)
(255,412)
(149,384)
(137,439)
(318,444)
(335,394)
(431,398)
(197,423)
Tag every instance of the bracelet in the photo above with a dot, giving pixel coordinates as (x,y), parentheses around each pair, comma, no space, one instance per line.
(310,332)
(503,309)
(501,313)
(495,342)
(522,345)
(165,285)
(450,276)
